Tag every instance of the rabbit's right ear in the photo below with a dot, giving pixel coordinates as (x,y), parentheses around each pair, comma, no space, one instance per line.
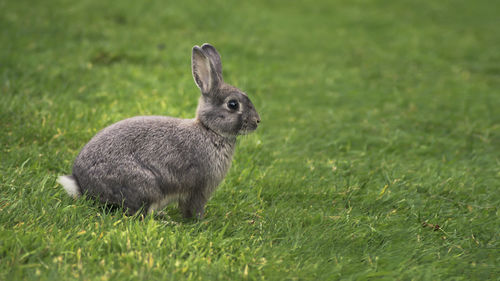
(214,57)
(204,72)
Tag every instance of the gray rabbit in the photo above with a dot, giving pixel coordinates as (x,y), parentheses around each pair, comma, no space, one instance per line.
(150,161)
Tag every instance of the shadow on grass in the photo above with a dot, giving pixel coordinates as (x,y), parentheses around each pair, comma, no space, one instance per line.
(169,214)
(103,57)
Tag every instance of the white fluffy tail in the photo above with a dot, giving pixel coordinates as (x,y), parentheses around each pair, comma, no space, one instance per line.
(70,185)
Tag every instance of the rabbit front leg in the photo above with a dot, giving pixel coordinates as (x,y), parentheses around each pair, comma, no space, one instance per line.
(193,205)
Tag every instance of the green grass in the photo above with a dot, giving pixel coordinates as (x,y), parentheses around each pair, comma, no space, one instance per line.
(377,116)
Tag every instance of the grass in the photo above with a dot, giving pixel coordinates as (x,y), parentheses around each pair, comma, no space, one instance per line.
(378,116)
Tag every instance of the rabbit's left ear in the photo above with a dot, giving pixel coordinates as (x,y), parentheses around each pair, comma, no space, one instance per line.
(214,57)
(204,72)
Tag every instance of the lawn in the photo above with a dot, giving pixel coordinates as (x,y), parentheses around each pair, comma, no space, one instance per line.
(378,154)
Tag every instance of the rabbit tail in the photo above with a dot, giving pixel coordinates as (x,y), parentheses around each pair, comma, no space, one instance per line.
(70,185)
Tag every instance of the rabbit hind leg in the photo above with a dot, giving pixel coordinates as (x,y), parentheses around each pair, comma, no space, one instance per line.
(129,185)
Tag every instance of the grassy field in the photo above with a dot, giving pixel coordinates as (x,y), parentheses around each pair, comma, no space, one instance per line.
(378,117)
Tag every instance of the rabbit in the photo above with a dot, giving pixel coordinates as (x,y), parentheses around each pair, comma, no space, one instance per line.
(146,162)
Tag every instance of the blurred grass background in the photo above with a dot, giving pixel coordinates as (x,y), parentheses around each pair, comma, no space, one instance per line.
(377,116)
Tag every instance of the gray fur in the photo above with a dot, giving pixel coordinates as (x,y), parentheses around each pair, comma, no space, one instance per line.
(149,161)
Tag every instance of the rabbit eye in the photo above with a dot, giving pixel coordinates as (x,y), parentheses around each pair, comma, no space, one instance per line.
(233,104)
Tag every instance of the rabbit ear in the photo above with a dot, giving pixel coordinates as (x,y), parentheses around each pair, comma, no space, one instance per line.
(214,57)
(204,72)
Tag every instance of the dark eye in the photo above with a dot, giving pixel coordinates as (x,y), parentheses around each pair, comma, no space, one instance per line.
(233,104)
